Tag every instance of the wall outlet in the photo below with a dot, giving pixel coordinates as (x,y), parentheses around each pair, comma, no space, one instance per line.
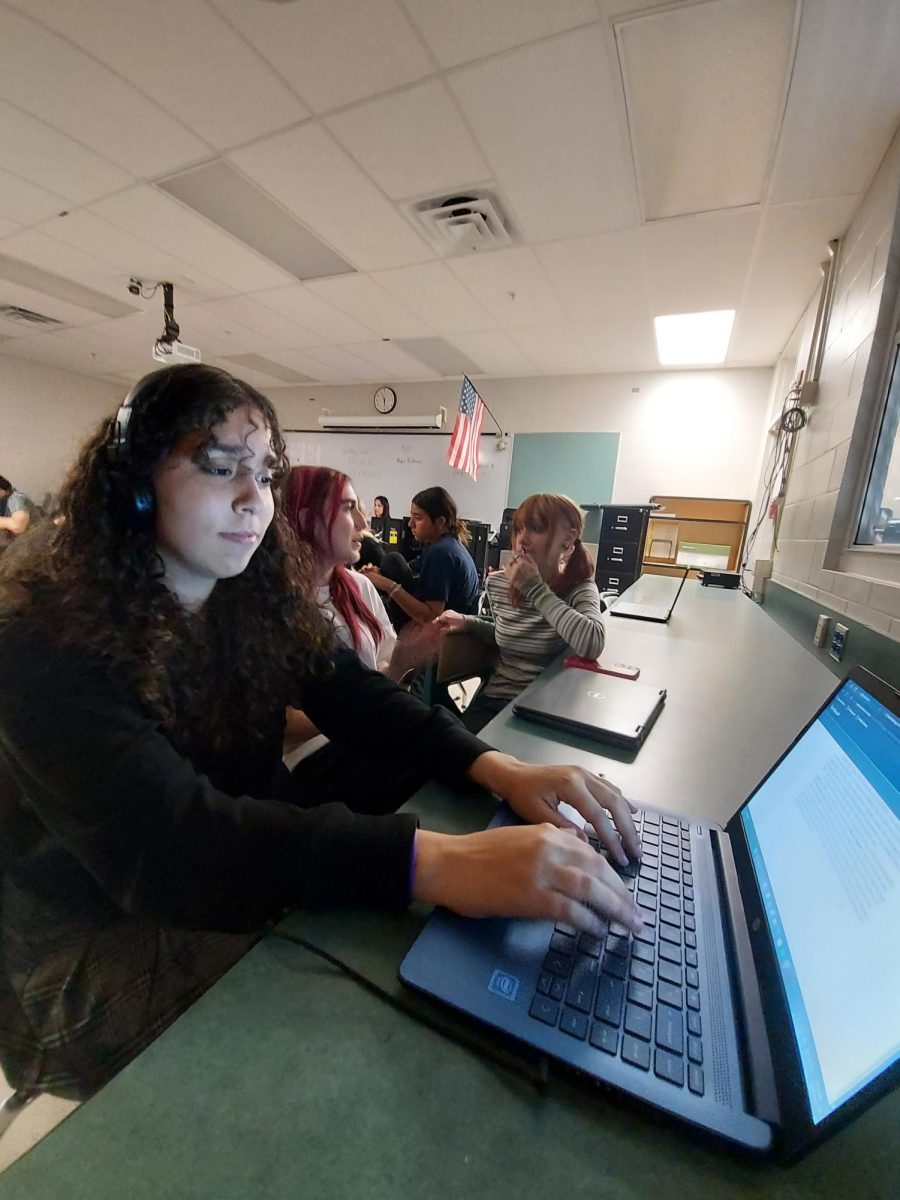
(838,641)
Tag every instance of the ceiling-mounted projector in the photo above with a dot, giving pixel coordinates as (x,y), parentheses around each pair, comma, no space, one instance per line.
(164,351)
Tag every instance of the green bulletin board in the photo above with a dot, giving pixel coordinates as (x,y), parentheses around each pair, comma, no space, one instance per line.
(580,465)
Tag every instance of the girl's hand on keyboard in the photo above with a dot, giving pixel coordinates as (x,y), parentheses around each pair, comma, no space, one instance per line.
(535,793)
(522,871)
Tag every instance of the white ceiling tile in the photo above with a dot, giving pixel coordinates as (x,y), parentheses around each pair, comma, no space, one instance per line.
(470,29)
(434,292)
(247,311)
(496,353)
(392,362)
(844,101)
(363,300)
(318,182)
(551,122)
(760,334)
(596,276)
(132,256)
(202,321)
(54,161)
(412,143)
(155,217)
(343,360)
(704,87)
(158,47)
(698,264)
(54,352)
(511,286)
(78,95)
(303,361)
(299,304)
(24,202)
(554,349)
(620,343)
(793,242)
(334,53)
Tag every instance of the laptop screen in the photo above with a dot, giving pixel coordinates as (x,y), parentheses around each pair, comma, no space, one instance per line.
(824,838)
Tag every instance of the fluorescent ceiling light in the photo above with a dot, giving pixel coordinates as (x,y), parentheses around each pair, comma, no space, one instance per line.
(15,271)
(693,339)
(221,194)
(438,354)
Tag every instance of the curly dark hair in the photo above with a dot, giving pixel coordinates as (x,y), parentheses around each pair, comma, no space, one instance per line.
(95,582)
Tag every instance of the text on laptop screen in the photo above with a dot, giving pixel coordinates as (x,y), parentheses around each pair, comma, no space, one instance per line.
(824,839)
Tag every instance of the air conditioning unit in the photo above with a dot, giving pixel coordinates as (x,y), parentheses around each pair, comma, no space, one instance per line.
(426,421)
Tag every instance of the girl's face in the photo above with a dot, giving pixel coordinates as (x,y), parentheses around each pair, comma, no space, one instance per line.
(378,508)
(548,548)
(214,503)
(423,528)
(342,544)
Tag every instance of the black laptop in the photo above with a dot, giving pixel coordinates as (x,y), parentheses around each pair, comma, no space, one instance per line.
(761,1001)
(602,707)
(650,597)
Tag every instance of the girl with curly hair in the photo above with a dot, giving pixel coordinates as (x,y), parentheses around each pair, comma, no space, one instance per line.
(148,827)
(543,602)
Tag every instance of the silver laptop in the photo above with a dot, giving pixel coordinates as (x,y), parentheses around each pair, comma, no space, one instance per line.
(602,707)
(650,597)
(761,1001)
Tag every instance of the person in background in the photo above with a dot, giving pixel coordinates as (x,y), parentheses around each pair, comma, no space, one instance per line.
(16,511)
(381,517)
(149,829)
(444,576)
(543,602)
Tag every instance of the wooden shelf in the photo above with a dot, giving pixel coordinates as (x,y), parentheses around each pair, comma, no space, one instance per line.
(697,532)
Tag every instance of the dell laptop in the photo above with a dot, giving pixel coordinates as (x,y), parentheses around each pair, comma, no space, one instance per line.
(761,1001)
(601,707)
(650,597)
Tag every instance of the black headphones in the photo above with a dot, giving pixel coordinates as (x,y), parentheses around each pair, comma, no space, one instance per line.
(133,503)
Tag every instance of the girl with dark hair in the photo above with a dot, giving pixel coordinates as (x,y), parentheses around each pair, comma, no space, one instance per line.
(381,517)
(445,575)
(544,601)
(148,827)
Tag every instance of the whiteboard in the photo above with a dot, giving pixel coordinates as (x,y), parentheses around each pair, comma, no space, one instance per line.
(398,465)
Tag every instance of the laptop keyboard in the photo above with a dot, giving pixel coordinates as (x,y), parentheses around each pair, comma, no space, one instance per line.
(636,997)
(656,612)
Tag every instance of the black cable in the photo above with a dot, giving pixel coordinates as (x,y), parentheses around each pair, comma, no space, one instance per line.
(538,1075)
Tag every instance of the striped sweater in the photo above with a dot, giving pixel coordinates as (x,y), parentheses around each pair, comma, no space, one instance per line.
(529,637)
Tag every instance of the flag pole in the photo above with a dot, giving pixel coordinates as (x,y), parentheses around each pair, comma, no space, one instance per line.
(481,398)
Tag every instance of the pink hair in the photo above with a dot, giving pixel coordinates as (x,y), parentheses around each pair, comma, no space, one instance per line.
(313,493)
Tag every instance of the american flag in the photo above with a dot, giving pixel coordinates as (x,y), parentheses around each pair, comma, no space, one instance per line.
(463,452)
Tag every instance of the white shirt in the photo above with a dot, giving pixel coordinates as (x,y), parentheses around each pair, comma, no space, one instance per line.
(376,659)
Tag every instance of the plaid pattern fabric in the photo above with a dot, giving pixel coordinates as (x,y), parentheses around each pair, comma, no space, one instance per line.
(98,995)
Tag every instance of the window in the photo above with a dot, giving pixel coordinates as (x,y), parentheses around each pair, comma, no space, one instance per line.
(880,520)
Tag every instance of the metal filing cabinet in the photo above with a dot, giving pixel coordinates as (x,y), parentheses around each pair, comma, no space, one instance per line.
(623,532)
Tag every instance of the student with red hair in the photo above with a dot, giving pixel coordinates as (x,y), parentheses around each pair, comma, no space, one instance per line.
(543,602)
(323,510)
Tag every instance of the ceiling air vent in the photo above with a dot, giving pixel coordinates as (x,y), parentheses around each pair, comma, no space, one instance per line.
(24,316)
(464,223)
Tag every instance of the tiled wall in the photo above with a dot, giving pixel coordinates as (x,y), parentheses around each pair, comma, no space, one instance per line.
(821,489)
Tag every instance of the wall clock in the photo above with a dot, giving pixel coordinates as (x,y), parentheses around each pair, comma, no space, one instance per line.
(385,400)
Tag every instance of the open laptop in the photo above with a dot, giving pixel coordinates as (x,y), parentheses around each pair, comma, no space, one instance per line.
(761,1001)
(617,711)
(650,597)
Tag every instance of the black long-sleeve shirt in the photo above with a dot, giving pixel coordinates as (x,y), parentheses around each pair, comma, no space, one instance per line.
(100,813)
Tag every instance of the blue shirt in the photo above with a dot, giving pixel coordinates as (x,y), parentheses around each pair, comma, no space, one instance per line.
(447,573)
